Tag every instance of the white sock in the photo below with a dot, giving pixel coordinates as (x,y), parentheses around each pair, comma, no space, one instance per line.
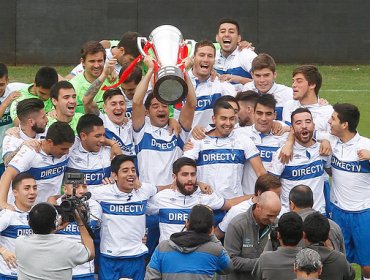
(366,278)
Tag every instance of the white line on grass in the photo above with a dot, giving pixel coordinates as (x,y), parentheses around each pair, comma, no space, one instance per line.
(346,90)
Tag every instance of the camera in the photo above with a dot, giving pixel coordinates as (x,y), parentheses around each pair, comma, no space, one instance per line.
(71,203)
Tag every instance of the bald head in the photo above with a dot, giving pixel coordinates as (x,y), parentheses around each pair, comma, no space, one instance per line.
(267,209)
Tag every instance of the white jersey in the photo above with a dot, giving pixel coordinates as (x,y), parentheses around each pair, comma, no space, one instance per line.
(123,220)
(156,150)
(267,144)
(307,168)
(72,232)
(350,176)
(242,207)
(47,170)
(207,92)
(238,63)
(320,114)
(174,208)
(6,121)
(128,106)
(94,165)
(220,162)
(12,225)
(281,93)
(122,134)
(12,143)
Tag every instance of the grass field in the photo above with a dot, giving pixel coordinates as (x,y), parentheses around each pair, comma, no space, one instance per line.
(349,83)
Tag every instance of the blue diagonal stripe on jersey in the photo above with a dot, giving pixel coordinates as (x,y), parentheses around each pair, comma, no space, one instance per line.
(266,152)
(48,172)
(173,216)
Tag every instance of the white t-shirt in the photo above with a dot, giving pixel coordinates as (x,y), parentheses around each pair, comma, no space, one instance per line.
(174,208)
(122,134)
(281,93)
(220,162)
(267,144)
(12,225)
(320,114)
(47,170)
(207,92)
(307,168)
(242,207)
(123,220)
(156,151)
(95,165)
(350,176)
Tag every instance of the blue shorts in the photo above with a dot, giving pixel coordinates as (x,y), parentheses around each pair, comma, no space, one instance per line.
(116,268)
(2,169)
(152,226)
(83,277)
(328,204)
(355,226)
(4,277)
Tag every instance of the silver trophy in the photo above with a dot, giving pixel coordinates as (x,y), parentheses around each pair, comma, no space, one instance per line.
(167,45)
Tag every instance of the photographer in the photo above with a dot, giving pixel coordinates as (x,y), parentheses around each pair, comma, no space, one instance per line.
(75,189)
(45,255)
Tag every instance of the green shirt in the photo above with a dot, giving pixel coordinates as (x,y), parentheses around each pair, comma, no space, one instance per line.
(72,123)
(81,86)
(26,94)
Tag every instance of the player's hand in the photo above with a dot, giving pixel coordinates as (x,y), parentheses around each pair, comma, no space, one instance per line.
(245,45)
(112,76)
(149,62)
(13,132)
(276,127)
(281,131)
(174,127)
(363,154)
(9,258)
(107,180)
(198,132)
(5,205)
(286,153)
(323,102)
(188,145)
(33,144)
(229,78)
(137,184)
(11,97)
(188,62)
(205,188)
(52,114)
(109,67)
(325,148)
(214,74)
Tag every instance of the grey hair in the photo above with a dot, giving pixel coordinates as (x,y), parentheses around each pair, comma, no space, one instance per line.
(308,260)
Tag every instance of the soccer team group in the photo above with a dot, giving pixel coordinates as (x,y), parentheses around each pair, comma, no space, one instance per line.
(254,151)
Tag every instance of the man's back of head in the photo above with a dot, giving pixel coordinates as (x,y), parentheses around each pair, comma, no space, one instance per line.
(200,219)
(308,264)
(290,229)
(316,228)
(300,197)
(43,218)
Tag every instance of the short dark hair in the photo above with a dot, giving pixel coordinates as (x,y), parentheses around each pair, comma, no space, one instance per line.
(129,43)
(266,182)
(3,71)
(180,162)
(136,75)
(46,77)
(229,20)
(247,96)
(26,107)
(92,47)
(221,105)
(290,228)
(263,60)
(148,100)
(118,160)
(301,196)
(87,122)
(42,218)
(54,91)
(299,111)
(316,228)
(19,178)
(311,74)
(348,113)
(60,132)
(227,98)
(200,219)
(267,100)
(204,43)
(108,94)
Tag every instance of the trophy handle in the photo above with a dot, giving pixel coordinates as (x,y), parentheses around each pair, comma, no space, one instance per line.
(192,44)
(139,46)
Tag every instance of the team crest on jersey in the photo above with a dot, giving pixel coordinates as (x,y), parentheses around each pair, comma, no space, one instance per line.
(247,243)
